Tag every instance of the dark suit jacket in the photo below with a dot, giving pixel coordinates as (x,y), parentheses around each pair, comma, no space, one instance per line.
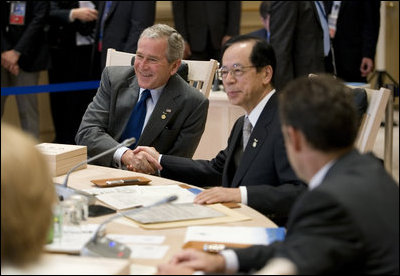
(348,224)
(125,22)
(264,169)
(107,116)
(194,19)
(297,38)
(69,63)
(356,36)
(62,32)
(29,39)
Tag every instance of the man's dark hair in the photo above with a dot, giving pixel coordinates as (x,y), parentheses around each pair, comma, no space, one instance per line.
(265,8)
(262,54)
(322,110)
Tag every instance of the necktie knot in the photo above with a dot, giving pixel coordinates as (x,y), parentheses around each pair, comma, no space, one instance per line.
(145,95)
(247,128)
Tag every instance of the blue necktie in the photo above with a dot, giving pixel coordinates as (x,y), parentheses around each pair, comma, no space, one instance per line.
(136,121)
(324,24)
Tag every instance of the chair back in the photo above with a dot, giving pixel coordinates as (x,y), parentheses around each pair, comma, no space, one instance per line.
(368,131)
(200,75)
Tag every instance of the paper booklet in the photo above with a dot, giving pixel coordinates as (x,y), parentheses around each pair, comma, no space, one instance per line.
(231,236)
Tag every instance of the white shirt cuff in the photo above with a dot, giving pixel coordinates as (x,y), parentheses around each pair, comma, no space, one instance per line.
(70,16)
(159,161)
(231,261)
(118,155)
(243,194)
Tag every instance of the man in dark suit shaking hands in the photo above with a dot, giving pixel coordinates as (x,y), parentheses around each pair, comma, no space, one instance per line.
(348,221)
(254,168)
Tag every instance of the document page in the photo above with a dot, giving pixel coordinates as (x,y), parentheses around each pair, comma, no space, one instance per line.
(235,234)
(73,238)
(144,195)
(173,212)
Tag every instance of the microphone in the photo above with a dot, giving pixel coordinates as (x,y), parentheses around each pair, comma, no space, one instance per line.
(100,246)
(63,191)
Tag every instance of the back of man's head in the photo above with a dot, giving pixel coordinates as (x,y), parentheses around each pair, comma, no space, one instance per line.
(322,110)
(265,8)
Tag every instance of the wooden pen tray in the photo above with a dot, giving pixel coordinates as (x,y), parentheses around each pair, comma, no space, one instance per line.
(199,245)
(102,182)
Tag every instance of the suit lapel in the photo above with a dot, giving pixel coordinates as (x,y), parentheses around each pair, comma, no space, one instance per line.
(234,143)
(257,138)
(126,100)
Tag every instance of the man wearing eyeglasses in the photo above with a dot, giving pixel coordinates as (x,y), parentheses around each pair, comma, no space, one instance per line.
(254,170)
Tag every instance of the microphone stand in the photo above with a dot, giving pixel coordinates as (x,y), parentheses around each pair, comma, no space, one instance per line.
(100,246)
(64,191)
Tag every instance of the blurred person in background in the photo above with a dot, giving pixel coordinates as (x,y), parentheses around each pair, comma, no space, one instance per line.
(24,53)
(206,26)
(119,26)
(71,38)
(294,30)
(354,31)
(27,198)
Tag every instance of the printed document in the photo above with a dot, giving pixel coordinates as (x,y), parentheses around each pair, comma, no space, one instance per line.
(234,234)
(173,212)
(144,195)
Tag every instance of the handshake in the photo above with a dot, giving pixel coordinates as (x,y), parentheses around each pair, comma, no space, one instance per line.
(142,159)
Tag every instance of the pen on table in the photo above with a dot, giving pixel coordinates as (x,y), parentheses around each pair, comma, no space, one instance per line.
(122,181)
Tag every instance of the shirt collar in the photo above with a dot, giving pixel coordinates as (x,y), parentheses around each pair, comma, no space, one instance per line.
(155,93)
(317,179)
(256,112)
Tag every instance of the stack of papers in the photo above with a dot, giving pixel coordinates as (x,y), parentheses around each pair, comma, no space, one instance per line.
(134,196)
(173,212)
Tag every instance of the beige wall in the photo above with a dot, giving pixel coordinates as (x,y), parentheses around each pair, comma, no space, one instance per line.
(250,21)
(392,38)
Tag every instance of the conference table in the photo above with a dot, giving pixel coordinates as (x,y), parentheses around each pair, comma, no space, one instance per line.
(174,237)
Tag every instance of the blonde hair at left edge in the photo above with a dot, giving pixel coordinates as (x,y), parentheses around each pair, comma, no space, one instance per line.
(27,197)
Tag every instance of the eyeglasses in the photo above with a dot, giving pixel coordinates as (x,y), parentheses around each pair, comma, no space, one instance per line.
(236,70)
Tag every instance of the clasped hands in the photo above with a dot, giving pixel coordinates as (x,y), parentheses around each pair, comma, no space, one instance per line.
(9,60)
(146,160)
(142,159)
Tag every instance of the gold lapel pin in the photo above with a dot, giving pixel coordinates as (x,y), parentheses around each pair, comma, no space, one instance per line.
(164,115)
(255,143)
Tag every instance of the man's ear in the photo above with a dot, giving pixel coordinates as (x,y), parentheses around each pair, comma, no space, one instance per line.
(268,74)
(295,137)
(174,66)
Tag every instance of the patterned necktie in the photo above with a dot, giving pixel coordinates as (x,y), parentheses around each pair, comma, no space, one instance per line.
(136,121)
(247,128)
